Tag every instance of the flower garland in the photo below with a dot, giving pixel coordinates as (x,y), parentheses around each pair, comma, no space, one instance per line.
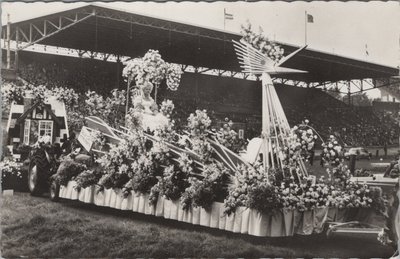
(174,73)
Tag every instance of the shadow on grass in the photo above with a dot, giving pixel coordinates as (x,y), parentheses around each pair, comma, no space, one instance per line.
(357,247)
(36,227)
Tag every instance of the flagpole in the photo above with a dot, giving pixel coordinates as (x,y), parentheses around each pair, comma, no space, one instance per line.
(305,28)
(224,18)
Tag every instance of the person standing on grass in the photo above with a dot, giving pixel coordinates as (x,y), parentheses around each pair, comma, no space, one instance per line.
(385,149)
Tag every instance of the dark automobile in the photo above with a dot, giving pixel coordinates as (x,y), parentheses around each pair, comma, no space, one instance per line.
(360,152)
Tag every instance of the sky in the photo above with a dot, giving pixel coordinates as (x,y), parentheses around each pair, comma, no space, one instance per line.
(347,29)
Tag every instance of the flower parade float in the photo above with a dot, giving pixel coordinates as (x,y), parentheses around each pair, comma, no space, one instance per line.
(197,175)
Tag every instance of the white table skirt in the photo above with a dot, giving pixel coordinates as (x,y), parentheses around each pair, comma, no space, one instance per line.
(246,221)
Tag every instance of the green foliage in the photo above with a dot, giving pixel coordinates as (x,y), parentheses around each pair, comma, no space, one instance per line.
(67,171)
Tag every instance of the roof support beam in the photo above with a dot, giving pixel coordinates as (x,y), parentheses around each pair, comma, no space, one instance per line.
(159,24)
(44,31)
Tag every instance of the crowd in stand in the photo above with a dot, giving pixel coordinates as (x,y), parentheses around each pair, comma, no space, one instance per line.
(353,126)
(79,74)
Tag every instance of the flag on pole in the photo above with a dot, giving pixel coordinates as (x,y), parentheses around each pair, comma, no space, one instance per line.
(228,16)
(310,18)
(366,50)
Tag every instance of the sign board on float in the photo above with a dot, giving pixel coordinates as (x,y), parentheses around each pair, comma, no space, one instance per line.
(86,138)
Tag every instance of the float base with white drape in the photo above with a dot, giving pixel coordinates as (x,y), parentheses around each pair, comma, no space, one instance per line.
(246,221)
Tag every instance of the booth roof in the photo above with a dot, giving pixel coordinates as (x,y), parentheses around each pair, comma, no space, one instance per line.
(129,34)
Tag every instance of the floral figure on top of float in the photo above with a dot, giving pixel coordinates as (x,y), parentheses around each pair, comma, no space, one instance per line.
(152,68)
(146,71)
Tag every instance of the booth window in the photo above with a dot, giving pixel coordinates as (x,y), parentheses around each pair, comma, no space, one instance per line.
(46,128)
(27,129)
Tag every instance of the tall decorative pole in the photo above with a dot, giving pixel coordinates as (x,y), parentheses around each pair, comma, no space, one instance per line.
(305,28)
(8,42)
(275,126)
(127,95)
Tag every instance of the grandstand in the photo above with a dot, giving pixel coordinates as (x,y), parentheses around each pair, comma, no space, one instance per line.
(212,78)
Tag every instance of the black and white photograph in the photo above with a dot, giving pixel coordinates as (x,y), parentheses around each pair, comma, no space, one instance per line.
(229,129)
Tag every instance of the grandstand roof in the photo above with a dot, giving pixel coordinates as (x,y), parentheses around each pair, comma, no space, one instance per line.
(124,33)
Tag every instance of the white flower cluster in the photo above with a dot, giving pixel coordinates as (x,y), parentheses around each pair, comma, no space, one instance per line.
(174,73)
(9,167)
(262,43)
(66,95)
(133,69)
(167,107)
(94,103)
(301,142)
(40,92)
(332,151)
(10,92)
(149,68)
(134,119)
(152,68)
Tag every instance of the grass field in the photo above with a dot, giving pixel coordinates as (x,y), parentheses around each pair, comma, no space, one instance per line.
(36,227)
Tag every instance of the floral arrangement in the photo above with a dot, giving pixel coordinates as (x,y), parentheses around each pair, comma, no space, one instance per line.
(66,95)
(264,197)
(301,143)
(174,73)
(250,185)
(166,133)
(87,178)
(245,178)
(154,67)
(331,151)
(135,164)
(134,119)
(203,192)
(166,108)
(133,69)
(174,182)
(10,92)
(338,176)
(230,138)
(10,168)
(143,177)
(68,169)
(94,103)
(262,43)
(117,162)
(199,123)
(151,67)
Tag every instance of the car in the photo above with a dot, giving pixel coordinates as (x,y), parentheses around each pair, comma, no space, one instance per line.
(360,152)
